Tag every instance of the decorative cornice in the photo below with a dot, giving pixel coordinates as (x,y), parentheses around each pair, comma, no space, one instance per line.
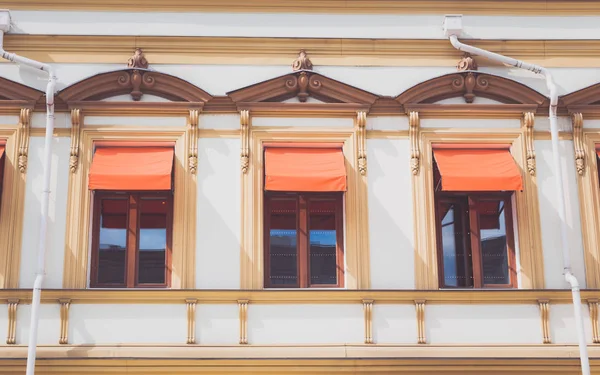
(302,84)
(587,96)
(75,132)
(134,82)
(12,322)
(243,316)
(544,305)
(65,304)
(414,126)
(302,62)
(191,320)
(528,123)
(368,312)
(13,93)
(420,309)
(577,119)
(467,62)
(470,85)
(470,110)
(295,109)
(361,132)
(245,132)
(193,141)
(138,60)
(23,137)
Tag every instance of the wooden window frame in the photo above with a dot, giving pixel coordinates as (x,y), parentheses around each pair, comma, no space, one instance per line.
(471,236)
(302,241)
(132,250)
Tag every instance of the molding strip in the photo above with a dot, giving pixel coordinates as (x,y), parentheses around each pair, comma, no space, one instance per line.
(413,134)
(245,152)
(12,321)
(544,305)
(23,130)
(191,320)
(243,311)
(368,311)
(528,122)
(65,304)
(577,119)
(593,305)
(193,141)
(361,121)
(75,133)
(420,307)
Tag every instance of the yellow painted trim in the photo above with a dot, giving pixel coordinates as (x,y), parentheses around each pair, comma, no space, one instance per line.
(475,7)
(282,51)
(527,218)
(357,274)
(77,241)
(12,209)
(305,296)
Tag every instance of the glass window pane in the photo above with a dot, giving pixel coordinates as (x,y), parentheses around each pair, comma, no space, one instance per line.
(494,251)
(455,257)
(112,242)
(152,240)
(283,252)
(323,241)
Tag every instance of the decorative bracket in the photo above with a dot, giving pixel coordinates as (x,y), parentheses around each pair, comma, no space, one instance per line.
(420,307)
(23,131)
(545,317)
(368,310)
(528,122)
(193,141)
(191,320)
(414,126)
(65,304)
(577,119)
(243,310)
(245,130)
(593,305)
(75,127)
(12,321)
(361,121)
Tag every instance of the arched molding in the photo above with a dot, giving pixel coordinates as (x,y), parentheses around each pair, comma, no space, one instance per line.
(135,82)
(469,85)
(16,96)
(585,101)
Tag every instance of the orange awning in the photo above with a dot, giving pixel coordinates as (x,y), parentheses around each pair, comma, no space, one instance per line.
(305,168)
(2,151)
(131,168)
(477,168)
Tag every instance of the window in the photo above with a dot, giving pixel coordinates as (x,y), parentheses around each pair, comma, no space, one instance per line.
(132,240)
(303,201)
(304,240)
(132,226)
(473,189)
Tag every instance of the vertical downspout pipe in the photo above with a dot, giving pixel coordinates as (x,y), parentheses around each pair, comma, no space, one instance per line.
(560,193)
(40,269)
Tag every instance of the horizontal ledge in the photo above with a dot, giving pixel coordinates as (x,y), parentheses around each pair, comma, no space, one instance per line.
(590,111)
(470,110)
(162,296)
(312,109)
(98,108)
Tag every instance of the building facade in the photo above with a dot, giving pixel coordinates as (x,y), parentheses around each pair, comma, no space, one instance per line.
(307,187)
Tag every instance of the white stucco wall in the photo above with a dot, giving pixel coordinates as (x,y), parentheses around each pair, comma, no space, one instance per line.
(483,324)
(57,212)
(48,328)
(394,324)
(289,122)
(563,329)
(550,224)
(470,123)
(218,216)
(217,324)
(9,120)
(305,324)
(170,121)
(391,224)
(387,123)
(127,324)
(220,121)
(3,322)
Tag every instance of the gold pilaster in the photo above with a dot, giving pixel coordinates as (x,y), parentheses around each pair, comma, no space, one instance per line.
(191,320)
(65,304)
(545,317)
(420,308)
(368,310)
(12,321)
(243,311)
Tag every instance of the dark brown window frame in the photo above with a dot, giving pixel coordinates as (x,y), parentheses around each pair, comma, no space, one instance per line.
(302,241)
(132,248)
(470,229)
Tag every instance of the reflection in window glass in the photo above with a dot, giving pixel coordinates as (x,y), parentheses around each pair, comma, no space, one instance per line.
(323,241)
(113,241)
(152,241)
(283,252)
(494,251)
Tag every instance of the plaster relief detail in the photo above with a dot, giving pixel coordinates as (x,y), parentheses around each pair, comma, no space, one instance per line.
(528,123)
(191,320)
(577,119)
(467,62)
(138,60)
(361,121)
(12,322)
(65,304)
(193,141)
(75,131)
(302,62)
(23,132)
(245,130)
(413,134)
(243,316)
(545,318)
(368,311)
(420,309)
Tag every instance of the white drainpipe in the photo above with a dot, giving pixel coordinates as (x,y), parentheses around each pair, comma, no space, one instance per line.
(453,28)
(40,270)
